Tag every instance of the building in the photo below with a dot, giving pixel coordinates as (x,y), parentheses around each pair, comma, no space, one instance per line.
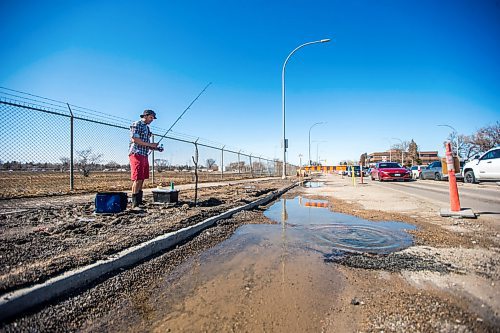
(394,155)
(427,157)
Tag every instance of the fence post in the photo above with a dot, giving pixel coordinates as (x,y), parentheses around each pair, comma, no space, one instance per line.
(251,166)
(239,163)
(222,164)
(153,161)
(71,146)
(195,161)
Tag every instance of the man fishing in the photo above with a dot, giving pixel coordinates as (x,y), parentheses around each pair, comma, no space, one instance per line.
(138,154)
(140,145)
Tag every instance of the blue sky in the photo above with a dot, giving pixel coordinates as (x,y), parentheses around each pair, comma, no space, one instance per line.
(396,69)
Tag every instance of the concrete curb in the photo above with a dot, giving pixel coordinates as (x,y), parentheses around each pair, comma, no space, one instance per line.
(463,213)
(20,300)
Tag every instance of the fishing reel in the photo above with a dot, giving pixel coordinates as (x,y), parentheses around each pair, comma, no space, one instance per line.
(160,148)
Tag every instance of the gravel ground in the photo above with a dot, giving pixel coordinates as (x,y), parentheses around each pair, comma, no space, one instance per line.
(39,242)
(82,311)
(447,282)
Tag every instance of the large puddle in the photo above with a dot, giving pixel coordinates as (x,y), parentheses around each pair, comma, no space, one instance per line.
(265,278)
(320,229)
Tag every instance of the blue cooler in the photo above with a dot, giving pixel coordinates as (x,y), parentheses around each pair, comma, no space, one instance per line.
(110,202)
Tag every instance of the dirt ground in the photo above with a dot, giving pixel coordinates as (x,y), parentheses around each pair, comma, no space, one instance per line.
(43,237)
(24,184)
(447,282)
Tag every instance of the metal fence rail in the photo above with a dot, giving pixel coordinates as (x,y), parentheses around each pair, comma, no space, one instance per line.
(51,147)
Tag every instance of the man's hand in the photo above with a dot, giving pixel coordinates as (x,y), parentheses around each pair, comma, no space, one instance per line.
(156,147)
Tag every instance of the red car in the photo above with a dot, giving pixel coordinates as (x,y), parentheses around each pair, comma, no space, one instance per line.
(390,171)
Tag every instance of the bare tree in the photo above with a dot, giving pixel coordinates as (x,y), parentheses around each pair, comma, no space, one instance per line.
(64,163)
(362,159)
(86,161)
(487,137)
(161,164)
(210,163)
(484,139)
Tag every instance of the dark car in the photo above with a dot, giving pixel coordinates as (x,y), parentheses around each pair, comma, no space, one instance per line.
(432,171)
(435,171)
(390,171)
(356,170)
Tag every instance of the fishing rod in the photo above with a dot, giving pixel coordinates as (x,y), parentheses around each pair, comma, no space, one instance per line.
(194,100)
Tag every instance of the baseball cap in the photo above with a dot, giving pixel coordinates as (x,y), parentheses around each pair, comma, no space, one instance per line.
(148,113)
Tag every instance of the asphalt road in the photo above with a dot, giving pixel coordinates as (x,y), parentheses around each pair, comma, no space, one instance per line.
(482,198)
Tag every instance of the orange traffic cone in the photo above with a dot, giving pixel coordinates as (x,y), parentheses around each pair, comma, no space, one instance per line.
(452,179)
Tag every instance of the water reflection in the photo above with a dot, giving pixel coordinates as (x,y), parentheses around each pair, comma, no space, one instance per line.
(326,232)
(312,184)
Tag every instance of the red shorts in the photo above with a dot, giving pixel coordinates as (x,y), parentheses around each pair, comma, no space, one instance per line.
(139,167)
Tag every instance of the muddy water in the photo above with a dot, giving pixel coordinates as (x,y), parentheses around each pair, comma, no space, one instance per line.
(259,280)
(264,278)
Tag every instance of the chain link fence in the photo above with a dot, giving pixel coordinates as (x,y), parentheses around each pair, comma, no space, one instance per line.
(51,147)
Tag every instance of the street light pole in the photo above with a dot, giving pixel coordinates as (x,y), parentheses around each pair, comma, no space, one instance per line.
(456,133)
(317,149)
(283,98)
(310,128)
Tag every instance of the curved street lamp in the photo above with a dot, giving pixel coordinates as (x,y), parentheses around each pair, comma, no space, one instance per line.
(310,128)
(456,133)
(283,98)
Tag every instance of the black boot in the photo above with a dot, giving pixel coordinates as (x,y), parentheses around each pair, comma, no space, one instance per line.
(134,200)
(139,199)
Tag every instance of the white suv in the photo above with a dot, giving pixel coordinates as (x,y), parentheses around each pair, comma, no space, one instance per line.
(486,167)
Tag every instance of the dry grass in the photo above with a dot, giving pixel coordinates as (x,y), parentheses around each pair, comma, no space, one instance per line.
(30,184)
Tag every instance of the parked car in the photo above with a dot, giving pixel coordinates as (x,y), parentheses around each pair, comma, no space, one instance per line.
(390,171)
(435,171)
(415,171)
(483,168)
(356,170)
(432,171)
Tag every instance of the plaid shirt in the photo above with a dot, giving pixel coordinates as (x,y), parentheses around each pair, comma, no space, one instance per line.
(140,130)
